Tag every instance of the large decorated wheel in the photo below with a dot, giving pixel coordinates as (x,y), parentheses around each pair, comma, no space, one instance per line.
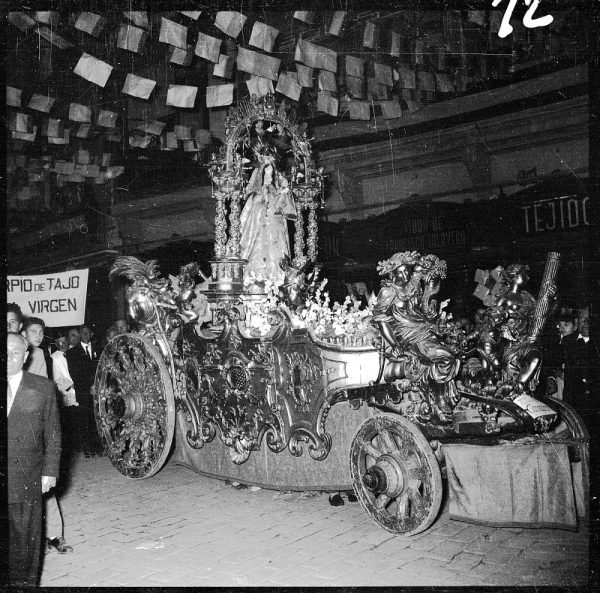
(395,474)
(134,406)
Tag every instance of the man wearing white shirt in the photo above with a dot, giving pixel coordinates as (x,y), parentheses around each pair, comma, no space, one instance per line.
(66,389)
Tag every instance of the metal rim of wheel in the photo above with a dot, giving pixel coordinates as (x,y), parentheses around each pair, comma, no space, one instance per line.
(395,474)
(134,406)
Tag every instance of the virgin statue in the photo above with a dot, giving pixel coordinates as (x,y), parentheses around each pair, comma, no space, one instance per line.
(264,240)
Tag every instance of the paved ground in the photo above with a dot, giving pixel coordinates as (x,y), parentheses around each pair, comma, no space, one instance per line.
(179,528)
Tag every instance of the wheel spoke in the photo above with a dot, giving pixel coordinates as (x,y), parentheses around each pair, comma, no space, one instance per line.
(387,440)
(370,449)
(381,501)
(417,500)
(403,502)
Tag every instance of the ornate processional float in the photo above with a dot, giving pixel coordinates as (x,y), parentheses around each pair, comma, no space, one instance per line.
(262,380)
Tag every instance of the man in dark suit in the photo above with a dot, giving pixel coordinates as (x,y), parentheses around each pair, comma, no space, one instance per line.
(82,360)
(33,455)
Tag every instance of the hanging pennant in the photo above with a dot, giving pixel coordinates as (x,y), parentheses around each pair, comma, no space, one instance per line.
(153,127)
(444,82)
(306,16)
(426,81)
(20,20)
(419,52)
(90,23)
(131,38)
(13,97)
(383,74)
(182,132)
(390,109)
(168,141)
(91,171)
(192,14)
(93,69)
(41,103)
(113,136)
(376,90)
(54,128)
(80,113)
(259,86)
(50,17)
(208,47)
(181,57)
(327,104)
(370,35)
(305,75)
(224,68)
(258,64)
(263,36)
(82,157)
(173,33)
(360,110)
(53,38)
(136,86)
(217,96)
(407,78)
(203,137)
(355,66)
(106,159)
(396,44)
(107,119)
(230,22)
(355,87)
(327,81)
(337,23)
(413,105)
(84,131)
(316,56)
(180,95)
(64,139)
(140,141)
(138,17)
(288,85)
(477,17)
(190,146)
(20,122)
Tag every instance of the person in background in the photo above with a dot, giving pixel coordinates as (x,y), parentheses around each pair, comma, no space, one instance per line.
(121,326)
(82,360)
(73,337)
(33,332)
(33,456)
(111,332)
(68,397)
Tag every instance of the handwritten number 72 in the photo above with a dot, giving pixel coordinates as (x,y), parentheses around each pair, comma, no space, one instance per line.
(528,20)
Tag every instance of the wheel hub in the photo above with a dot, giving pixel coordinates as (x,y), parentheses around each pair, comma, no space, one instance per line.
(385,477)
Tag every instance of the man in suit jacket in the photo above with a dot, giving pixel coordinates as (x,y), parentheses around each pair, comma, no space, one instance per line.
(33,455)
(82,360)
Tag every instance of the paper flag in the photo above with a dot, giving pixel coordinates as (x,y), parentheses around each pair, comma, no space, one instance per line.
(442,56)
(208,47)
(20,20)
(113,136)
(477,17)
(84,131)
(182,132)
(217,96)
(80,113)
(54,128)
(426,81)
(257,64)
(370,35)
(263,36)
(224,68)
(136,86)
(13,96)
(51,17)
(316,56)
(20,122)
(140,141)
(327,104)
(390,109)
(192,14)
(90,23)
(360,110)
(419,51)
(355,87)
(168,141)
(305,75)
(93,69)
(444,82)
(131,38)
(60,140)
(82,157)
(407,78)
(53,38)
(107,119)
(203,137)
(355,66)
(26,136)
(138,17)
(288,85)
(173,33)
(327,81)
(396,45)
(106,159)
(182,57)
(41,103)
(383,74)
(91,171)
(152,127)
(412,105)
(337,23)
(376,90)
(259,86)
(230,22)
(306,16)
(190,146)
(114,171)
(180,95)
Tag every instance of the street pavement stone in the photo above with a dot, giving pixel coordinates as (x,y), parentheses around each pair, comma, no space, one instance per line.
(178,528)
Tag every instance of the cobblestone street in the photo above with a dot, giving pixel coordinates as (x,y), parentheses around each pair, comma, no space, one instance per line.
(180,528)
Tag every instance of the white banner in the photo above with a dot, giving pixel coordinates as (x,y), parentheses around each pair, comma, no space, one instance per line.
(58,299)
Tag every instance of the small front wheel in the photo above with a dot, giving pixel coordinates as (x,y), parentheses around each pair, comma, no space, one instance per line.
(395,474)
